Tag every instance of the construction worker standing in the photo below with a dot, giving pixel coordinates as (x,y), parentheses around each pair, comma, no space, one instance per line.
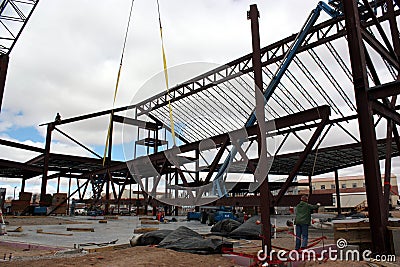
(302,221)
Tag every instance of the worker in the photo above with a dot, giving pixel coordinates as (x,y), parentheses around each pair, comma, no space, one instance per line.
(57,119)
(72,207)
(204,216)
(211,218)
(303,220)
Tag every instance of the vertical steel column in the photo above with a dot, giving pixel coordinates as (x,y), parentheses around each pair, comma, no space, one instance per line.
(110,139)
(50,128)
(337,187)
(58,183)
(310,189)
(366,127)
(265,201)
(388,162)
(69,196)
(3,75)
(197,151)
(130,197)
(23,184)
(394,30)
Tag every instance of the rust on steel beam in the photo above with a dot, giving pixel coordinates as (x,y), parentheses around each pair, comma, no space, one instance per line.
(394,30)
(216,160)
(366,127)
(386,112)
(107,162)
(280,123)
(260,174)
(379,27)
(379,48)
(337,189)
(384,90)
(19,165)
(325,32)
(142,124)
(121,191)
(50,128)
(388,167)
(324,119)
(21,146)
(3,75)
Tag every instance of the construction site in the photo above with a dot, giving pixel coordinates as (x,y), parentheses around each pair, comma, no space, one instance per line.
(247,163)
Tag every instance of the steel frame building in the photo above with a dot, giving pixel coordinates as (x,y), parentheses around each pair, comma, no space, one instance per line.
(312,98)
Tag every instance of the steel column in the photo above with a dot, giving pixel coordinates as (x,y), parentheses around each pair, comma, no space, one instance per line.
(50,128)
(265,203)
(337,188)
(108,174)
(23,185)
(366,127)
(3,74)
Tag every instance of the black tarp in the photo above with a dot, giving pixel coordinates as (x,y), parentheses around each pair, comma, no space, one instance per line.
(250,229)
(225,226)
(181,239)
(150,238)
(186,240)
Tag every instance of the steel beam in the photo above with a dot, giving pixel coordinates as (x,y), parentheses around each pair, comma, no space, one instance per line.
(337,188)
(385,111)
(3,75)
(384,90)
(21,146)
(142,124)
(280,123)
(260,174)
(324,119)
(379,48)
(216,160)
(50,128)
(366,126)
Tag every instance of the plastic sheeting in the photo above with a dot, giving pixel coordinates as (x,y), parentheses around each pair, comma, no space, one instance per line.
(182,239)
(225,226)
(250,229)
(150,238)
(186,240)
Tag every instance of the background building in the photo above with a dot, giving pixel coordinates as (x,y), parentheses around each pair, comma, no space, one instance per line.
(352,190)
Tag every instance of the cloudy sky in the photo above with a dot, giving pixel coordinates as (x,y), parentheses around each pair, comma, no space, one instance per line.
(67,59)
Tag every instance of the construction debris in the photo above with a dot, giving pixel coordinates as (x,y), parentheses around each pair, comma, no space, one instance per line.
(80,229)
(40,231)
(182,239)
(18,229)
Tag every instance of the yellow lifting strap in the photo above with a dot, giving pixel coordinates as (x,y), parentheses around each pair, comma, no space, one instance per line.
(106,148)
(171,117)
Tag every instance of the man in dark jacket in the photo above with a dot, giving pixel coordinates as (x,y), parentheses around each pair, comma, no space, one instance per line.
(302,221)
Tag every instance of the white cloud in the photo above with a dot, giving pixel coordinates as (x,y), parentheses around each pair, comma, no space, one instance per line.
(67,57)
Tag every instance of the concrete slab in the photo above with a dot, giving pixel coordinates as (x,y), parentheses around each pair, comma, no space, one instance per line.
(121,229)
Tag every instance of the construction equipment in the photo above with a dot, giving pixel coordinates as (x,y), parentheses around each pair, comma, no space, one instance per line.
(363,206)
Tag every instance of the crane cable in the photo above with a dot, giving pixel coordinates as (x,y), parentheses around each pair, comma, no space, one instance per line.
(171,118)
(106,148)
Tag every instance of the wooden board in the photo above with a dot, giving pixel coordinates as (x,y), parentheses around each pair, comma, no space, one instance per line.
(80,229)
(353,232)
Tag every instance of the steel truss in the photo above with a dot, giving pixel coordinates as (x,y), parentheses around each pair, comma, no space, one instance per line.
(229,91)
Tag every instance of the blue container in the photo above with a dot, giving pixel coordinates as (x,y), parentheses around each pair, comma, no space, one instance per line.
(40,211)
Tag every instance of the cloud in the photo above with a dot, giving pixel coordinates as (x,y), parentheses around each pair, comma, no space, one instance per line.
(68,56)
